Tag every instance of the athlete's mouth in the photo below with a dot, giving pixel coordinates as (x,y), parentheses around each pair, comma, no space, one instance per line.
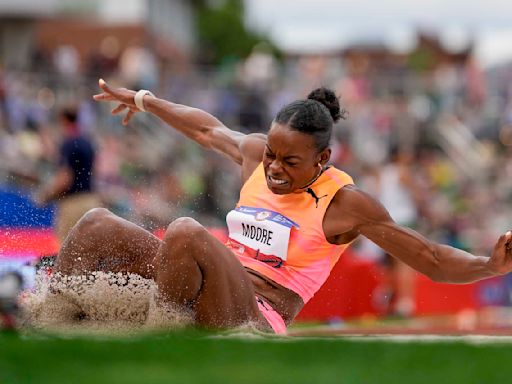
(276,181)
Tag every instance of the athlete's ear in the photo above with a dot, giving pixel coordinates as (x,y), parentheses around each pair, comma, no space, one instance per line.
(325,155)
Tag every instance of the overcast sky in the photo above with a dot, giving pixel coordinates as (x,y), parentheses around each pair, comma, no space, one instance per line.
(325,24)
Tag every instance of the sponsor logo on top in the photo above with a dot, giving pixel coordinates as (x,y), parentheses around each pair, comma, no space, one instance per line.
(263,215)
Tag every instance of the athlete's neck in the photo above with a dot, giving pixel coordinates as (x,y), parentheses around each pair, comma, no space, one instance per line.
(321,170)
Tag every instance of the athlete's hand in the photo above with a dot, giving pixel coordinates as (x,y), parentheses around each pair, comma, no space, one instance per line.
(500,261)
(125,98)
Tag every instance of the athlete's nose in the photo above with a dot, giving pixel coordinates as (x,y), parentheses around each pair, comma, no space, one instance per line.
(275,167)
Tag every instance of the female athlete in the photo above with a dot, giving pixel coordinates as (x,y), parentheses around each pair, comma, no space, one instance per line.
(295,217)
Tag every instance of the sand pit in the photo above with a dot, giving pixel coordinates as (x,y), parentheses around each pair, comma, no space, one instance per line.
(98,302)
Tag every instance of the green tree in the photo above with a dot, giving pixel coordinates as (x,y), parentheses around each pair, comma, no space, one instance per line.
(222,33)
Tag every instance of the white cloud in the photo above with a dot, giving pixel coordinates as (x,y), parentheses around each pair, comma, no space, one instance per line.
(493,46)
(318,23)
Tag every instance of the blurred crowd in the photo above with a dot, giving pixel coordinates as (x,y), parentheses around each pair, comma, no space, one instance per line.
(435,147)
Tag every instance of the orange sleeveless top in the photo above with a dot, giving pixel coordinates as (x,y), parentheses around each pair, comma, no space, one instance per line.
(281,236)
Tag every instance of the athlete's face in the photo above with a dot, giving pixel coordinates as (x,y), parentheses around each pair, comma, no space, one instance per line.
(290,159)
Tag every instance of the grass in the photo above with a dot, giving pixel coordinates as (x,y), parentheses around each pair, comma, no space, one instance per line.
(198,357)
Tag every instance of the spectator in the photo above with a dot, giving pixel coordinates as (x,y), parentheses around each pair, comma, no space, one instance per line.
(72,185)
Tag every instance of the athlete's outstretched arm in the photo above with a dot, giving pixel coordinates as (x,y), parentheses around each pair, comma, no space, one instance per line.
(441,263)
(194,123)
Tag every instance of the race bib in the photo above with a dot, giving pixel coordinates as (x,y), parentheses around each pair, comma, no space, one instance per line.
(262,230)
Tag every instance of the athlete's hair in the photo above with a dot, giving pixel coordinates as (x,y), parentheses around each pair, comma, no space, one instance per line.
(314,116)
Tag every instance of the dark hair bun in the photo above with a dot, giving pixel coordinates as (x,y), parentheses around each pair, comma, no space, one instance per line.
(328,98)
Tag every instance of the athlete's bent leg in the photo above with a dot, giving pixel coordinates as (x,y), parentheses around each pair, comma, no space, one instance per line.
(194,269)
(102,241)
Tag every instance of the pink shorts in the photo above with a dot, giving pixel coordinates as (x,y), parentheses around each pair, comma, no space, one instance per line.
(274,319)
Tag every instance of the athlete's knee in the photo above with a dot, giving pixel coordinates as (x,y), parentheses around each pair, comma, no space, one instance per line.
(183,236)
(96,219)
(184,229)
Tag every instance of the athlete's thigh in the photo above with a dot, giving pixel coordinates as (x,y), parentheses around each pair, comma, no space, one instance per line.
(102,241)
(227,297)
(195,269)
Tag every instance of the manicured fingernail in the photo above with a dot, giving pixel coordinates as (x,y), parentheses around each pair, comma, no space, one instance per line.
(508,233)
(101,81)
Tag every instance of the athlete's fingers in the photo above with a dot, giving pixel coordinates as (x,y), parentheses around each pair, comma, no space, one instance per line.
(123,95)
(103,96)
(503,239)
(118,109)
(503,245)
(508,241)
(104,86)
(128,116)
(108,93)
